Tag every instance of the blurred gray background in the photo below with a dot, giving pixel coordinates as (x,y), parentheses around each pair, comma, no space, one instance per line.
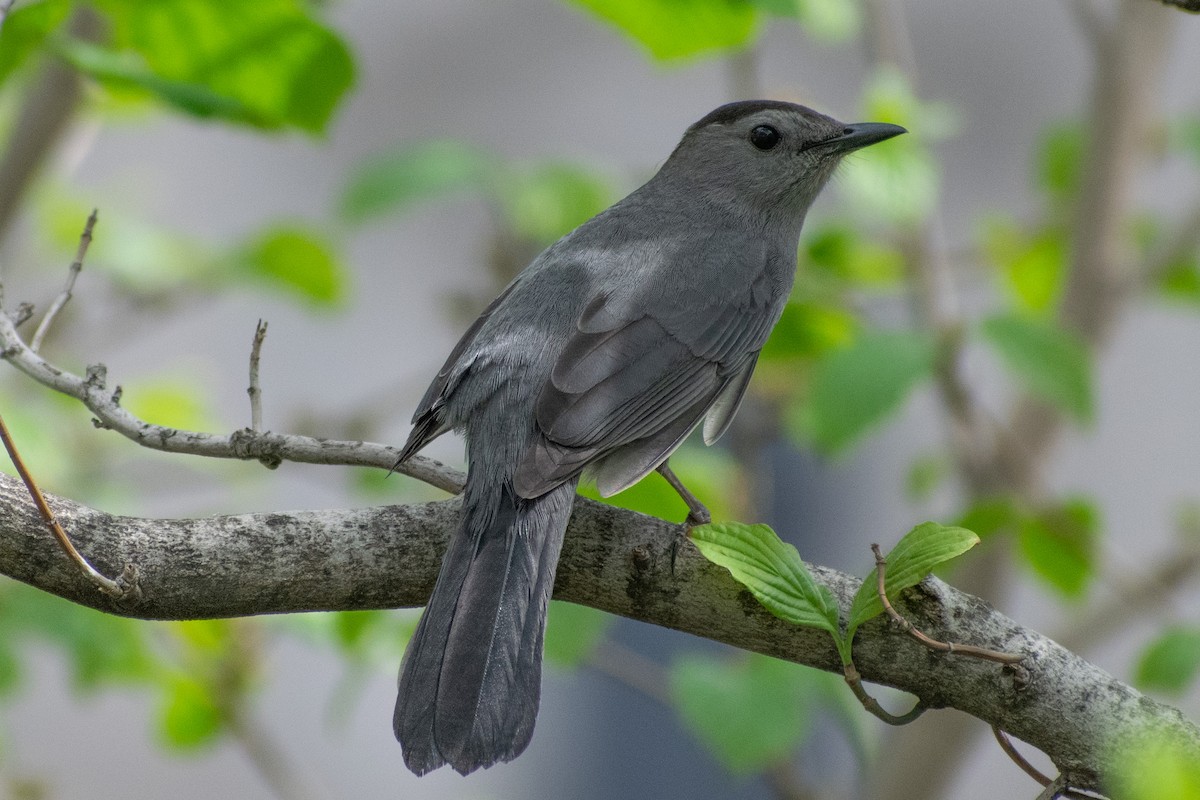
(534,79)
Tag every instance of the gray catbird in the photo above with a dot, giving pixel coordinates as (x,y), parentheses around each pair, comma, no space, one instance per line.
(602,355)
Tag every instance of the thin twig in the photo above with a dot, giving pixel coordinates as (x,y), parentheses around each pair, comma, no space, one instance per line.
(255,392)
(85,240)
(1011,751)
(854,681)
(121,589)
(933,644)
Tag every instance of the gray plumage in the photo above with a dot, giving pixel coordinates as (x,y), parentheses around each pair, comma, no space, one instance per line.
(603,355)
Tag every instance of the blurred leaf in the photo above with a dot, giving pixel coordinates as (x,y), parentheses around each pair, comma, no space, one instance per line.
(1060,159)
(749,713)
(710,474)
(550,200)
(1181,282)
(926,474)
(1171,662)
(188,715)
(1033,266)
(572,632)
(1184,134)
(772,570)
(1059,544)
(26,28)
(174,401)
(672,29)
(914,556)
(809,330)
(208,637)
(268,63)
(298,261)
(1154,766)
(857,388)
(10,669)
(992,515)
(852,257)
(1052,363)
(826,20)
(398,178)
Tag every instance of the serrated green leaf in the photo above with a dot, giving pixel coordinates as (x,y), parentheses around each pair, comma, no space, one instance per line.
(749,713)
(188,715)
(1052,363)
(25,29)
(572,632)
(298,261)
(857,388)
(1171,662)
(396,179)
(914,556)
(1059,544)
(269,63)
(771,569)
(674,29)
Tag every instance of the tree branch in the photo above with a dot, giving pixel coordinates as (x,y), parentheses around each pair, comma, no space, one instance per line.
(614,560)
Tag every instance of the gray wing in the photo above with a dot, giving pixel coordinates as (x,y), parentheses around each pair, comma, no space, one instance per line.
(628,387)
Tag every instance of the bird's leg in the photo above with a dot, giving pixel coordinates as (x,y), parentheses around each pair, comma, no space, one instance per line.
(697,512)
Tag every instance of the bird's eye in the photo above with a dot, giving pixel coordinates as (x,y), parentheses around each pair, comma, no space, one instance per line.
(764,137)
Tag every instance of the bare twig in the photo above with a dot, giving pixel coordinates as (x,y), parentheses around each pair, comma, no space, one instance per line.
(244,444)
(85,240)
(933,644)
(123,588)
(1011,751)
(255,392)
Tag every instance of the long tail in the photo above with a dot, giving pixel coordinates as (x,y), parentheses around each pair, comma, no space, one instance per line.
(471,678)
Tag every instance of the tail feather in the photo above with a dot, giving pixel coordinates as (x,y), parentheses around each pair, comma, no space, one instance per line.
(471,680)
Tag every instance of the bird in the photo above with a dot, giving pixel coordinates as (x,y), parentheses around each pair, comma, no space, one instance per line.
(596,362)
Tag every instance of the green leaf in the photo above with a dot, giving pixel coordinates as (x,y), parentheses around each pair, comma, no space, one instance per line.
(26,28)
(1059,544)
(268,63)
(1053,363)
(772,570)
(673,29)
(572,633)
(710,474)
(1181,281)
(991,516)
(550,200)
(749,713)
(925,474)
(1060,159)
(1033,266)
(1171,662)
(851,257)
(298,261)
(825,20)
(396,179)
(914,556)
(857,388)
(1154,765)
(188,715)
(809,330)
(173,400)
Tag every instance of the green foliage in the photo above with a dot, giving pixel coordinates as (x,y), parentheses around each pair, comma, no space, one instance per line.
(1171,662)
(857,388)
(809,330)
(267,64)
(1032,265)
(675,29)
(1059,544)
(772,570)
(546,201)
(171,399)
(1154,766)
(1052,362)
(188,717)
(826,20)
(750,712)
(295,259)
(851,258)
(25,30)
(914,556)
(708,473)
(394,180)
(1060,160)
(1181,281)
(572,633)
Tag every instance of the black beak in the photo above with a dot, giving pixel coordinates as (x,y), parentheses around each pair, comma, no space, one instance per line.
(860,134)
